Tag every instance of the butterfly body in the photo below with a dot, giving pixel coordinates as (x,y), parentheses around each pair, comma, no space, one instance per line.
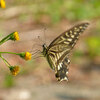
(57,52)
(45,53)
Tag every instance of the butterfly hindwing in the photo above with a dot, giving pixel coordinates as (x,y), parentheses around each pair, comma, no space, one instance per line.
(62,70)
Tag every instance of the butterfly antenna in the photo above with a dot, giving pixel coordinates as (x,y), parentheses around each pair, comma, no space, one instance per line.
(45,34)
(41,40)
(36,44)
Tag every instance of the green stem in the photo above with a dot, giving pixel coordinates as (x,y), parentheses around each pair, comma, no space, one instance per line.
(5,39)
(5,61)
(9,53)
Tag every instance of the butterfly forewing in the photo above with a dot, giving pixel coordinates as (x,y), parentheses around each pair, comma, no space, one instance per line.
(59,48)
(69,37)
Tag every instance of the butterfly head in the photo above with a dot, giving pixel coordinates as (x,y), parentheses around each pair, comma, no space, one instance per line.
(44,49)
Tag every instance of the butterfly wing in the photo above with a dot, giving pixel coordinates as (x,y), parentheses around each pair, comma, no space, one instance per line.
(68,38)
(59,48)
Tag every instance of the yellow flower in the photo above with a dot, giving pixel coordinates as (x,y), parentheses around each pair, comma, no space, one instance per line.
(14,70)
(16,36)
(28,56)
(25,55)
(2,4)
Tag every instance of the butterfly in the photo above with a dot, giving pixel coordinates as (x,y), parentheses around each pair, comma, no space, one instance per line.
(57,52)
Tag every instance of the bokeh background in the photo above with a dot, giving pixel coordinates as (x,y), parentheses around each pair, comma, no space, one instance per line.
(48,19)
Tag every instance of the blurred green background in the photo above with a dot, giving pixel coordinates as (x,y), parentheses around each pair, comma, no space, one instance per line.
(36,80)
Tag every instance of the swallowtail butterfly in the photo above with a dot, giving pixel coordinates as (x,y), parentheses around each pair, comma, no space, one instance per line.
(57,52)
